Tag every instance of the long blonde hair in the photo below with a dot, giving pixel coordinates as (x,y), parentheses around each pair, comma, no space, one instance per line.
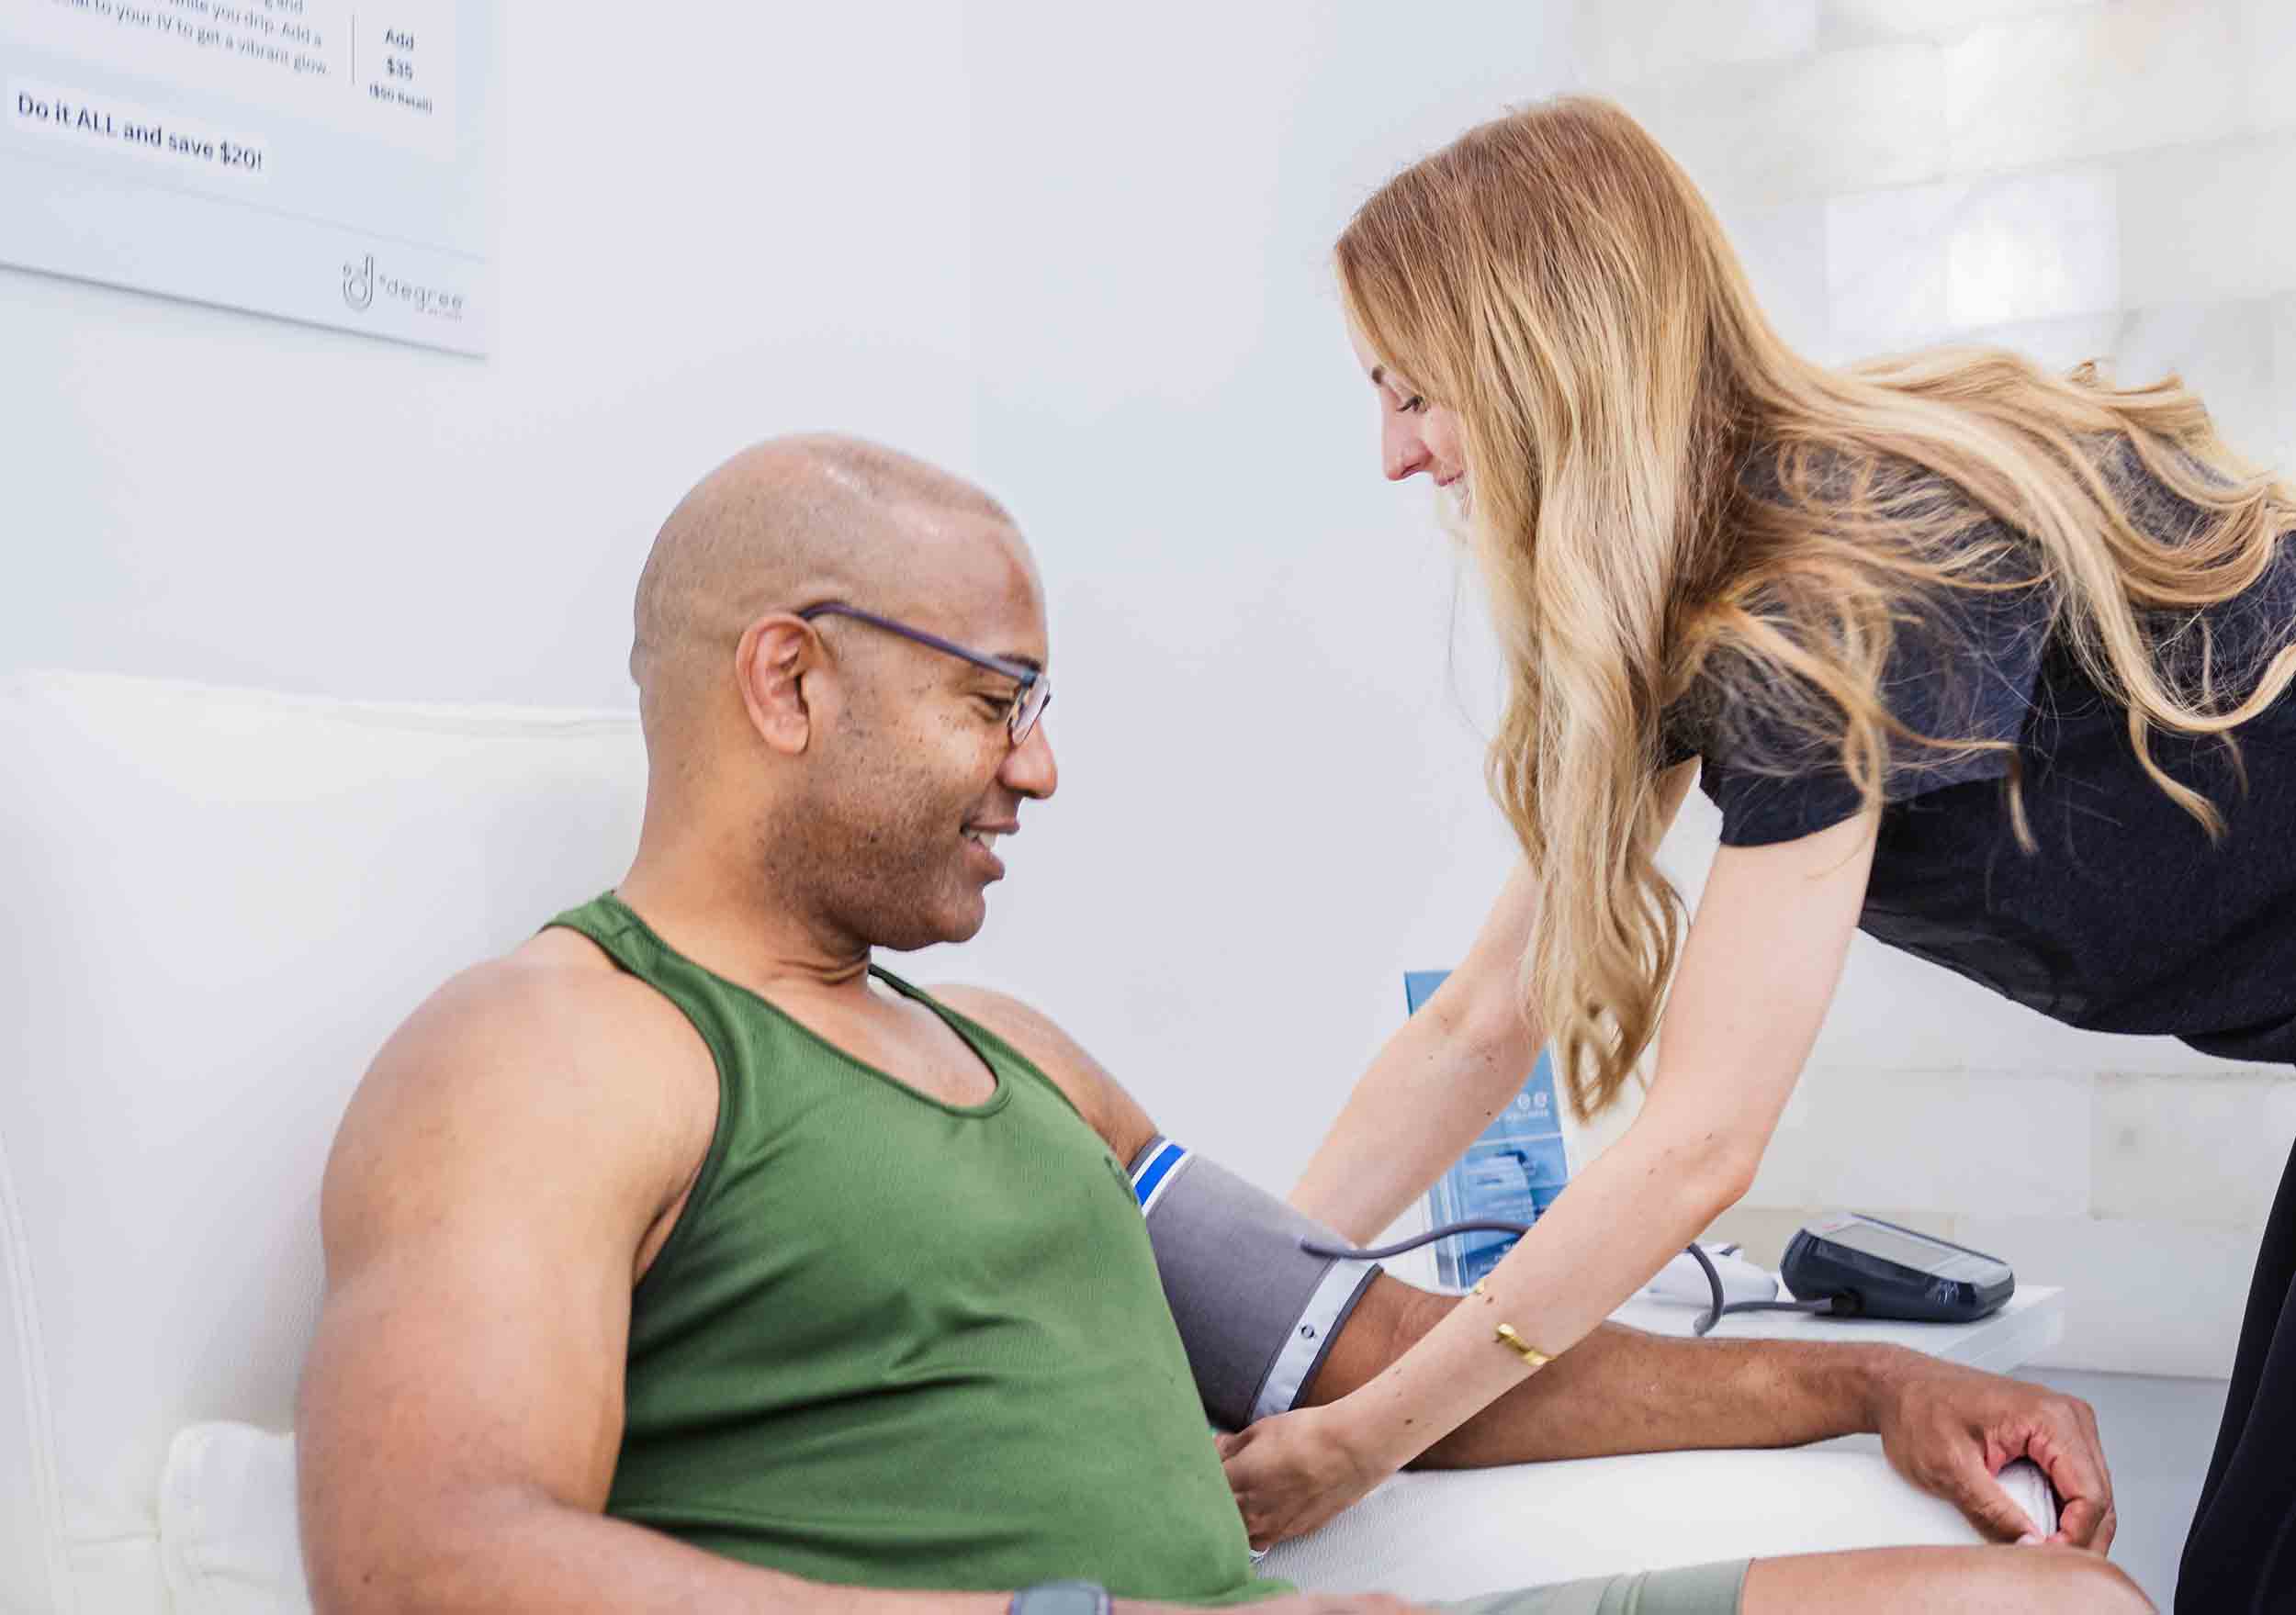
(1558,281)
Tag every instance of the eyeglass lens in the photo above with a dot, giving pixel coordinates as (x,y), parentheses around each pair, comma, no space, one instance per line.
(1030,707)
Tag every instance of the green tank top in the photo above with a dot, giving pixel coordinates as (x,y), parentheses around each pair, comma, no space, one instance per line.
(893,1342)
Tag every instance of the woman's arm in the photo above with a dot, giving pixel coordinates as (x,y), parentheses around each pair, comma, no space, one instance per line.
(1435,1085)
(1440,1079)
(1762,958)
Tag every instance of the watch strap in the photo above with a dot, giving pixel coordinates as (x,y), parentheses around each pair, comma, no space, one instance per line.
(1061,1598)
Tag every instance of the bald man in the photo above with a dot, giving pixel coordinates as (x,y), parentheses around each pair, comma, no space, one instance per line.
(684,1259)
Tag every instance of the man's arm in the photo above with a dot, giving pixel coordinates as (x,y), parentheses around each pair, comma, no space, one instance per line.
(1620,1390)
(491,1193)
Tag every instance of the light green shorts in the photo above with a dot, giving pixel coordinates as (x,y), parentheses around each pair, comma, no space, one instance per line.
(1695,1589)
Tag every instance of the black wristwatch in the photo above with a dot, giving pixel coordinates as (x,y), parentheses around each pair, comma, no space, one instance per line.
(1059,1598)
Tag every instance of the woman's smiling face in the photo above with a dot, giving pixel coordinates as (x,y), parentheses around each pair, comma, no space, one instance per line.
(1414,434)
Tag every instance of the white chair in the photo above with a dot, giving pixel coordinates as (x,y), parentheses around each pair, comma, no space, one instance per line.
(221,902)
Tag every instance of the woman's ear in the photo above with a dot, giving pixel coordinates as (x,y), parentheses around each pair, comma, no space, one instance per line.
(770,662)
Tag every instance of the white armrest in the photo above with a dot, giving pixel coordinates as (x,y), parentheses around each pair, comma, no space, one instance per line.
(1457,1534)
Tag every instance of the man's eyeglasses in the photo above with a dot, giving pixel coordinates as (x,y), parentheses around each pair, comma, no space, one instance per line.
(1028,702)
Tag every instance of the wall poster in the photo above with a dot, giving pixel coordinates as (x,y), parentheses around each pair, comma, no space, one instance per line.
(323,160)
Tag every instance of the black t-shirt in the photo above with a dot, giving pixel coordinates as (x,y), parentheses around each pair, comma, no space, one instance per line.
(2127,918)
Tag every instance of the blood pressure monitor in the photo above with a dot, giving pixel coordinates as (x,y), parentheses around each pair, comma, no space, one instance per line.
(1875,1269)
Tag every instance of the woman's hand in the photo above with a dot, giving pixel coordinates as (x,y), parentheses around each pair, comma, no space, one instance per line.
(1293,1472)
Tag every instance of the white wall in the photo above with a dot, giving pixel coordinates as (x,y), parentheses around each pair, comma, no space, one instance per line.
(765,227)
(1083,259)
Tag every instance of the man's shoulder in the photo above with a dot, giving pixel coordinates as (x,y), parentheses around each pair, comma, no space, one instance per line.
(1089,1086)
(555,997)
(550,1043)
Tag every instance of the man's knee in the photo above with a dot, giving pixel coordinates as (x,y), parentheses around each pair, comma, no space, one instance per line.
(2047,1581)
(1994,1581)
(2072,1582)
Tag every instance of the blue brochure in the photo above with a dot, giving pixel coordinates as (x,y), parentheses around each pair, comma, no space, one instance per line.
(1512,1172)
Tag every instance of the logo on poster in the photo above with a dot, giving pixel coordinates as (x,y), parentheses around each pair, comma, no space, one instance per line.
(362,281)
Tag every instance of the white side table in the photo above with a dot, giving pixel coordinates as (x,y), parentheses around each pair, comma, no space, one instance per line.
(2031,1322)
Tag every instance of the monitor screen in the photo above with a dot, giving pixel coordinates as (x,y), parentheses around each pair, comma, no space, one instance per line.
(1891,1245)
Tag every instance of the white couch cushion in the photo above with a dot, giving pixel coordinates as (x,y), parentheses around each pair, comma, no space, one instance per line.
(221,902)
(1455,1534)
(228,1531)
(228,1539)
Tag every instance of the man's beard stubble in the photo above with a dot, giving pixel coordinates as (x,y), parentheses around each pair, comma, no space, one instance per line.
(877,863)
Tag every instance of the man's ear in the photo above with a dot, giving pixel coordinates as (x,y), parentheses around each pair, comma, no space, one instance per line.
(774,656)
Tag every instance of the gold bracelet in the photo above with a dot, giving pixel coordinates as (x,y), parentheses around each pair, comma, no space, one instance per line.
(1531,1354)
(1504,1334)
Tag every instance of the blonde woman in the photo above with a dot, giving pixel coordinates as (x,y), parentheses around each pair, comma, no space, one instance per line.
(1987,661)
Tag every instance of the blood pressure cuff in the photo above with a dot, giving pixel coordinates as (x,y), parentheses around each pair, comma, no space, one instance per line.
(1256,1313)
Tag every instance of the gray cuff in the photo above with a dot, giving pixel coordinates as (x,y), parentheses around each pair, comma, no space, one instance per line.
(1257,1314)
